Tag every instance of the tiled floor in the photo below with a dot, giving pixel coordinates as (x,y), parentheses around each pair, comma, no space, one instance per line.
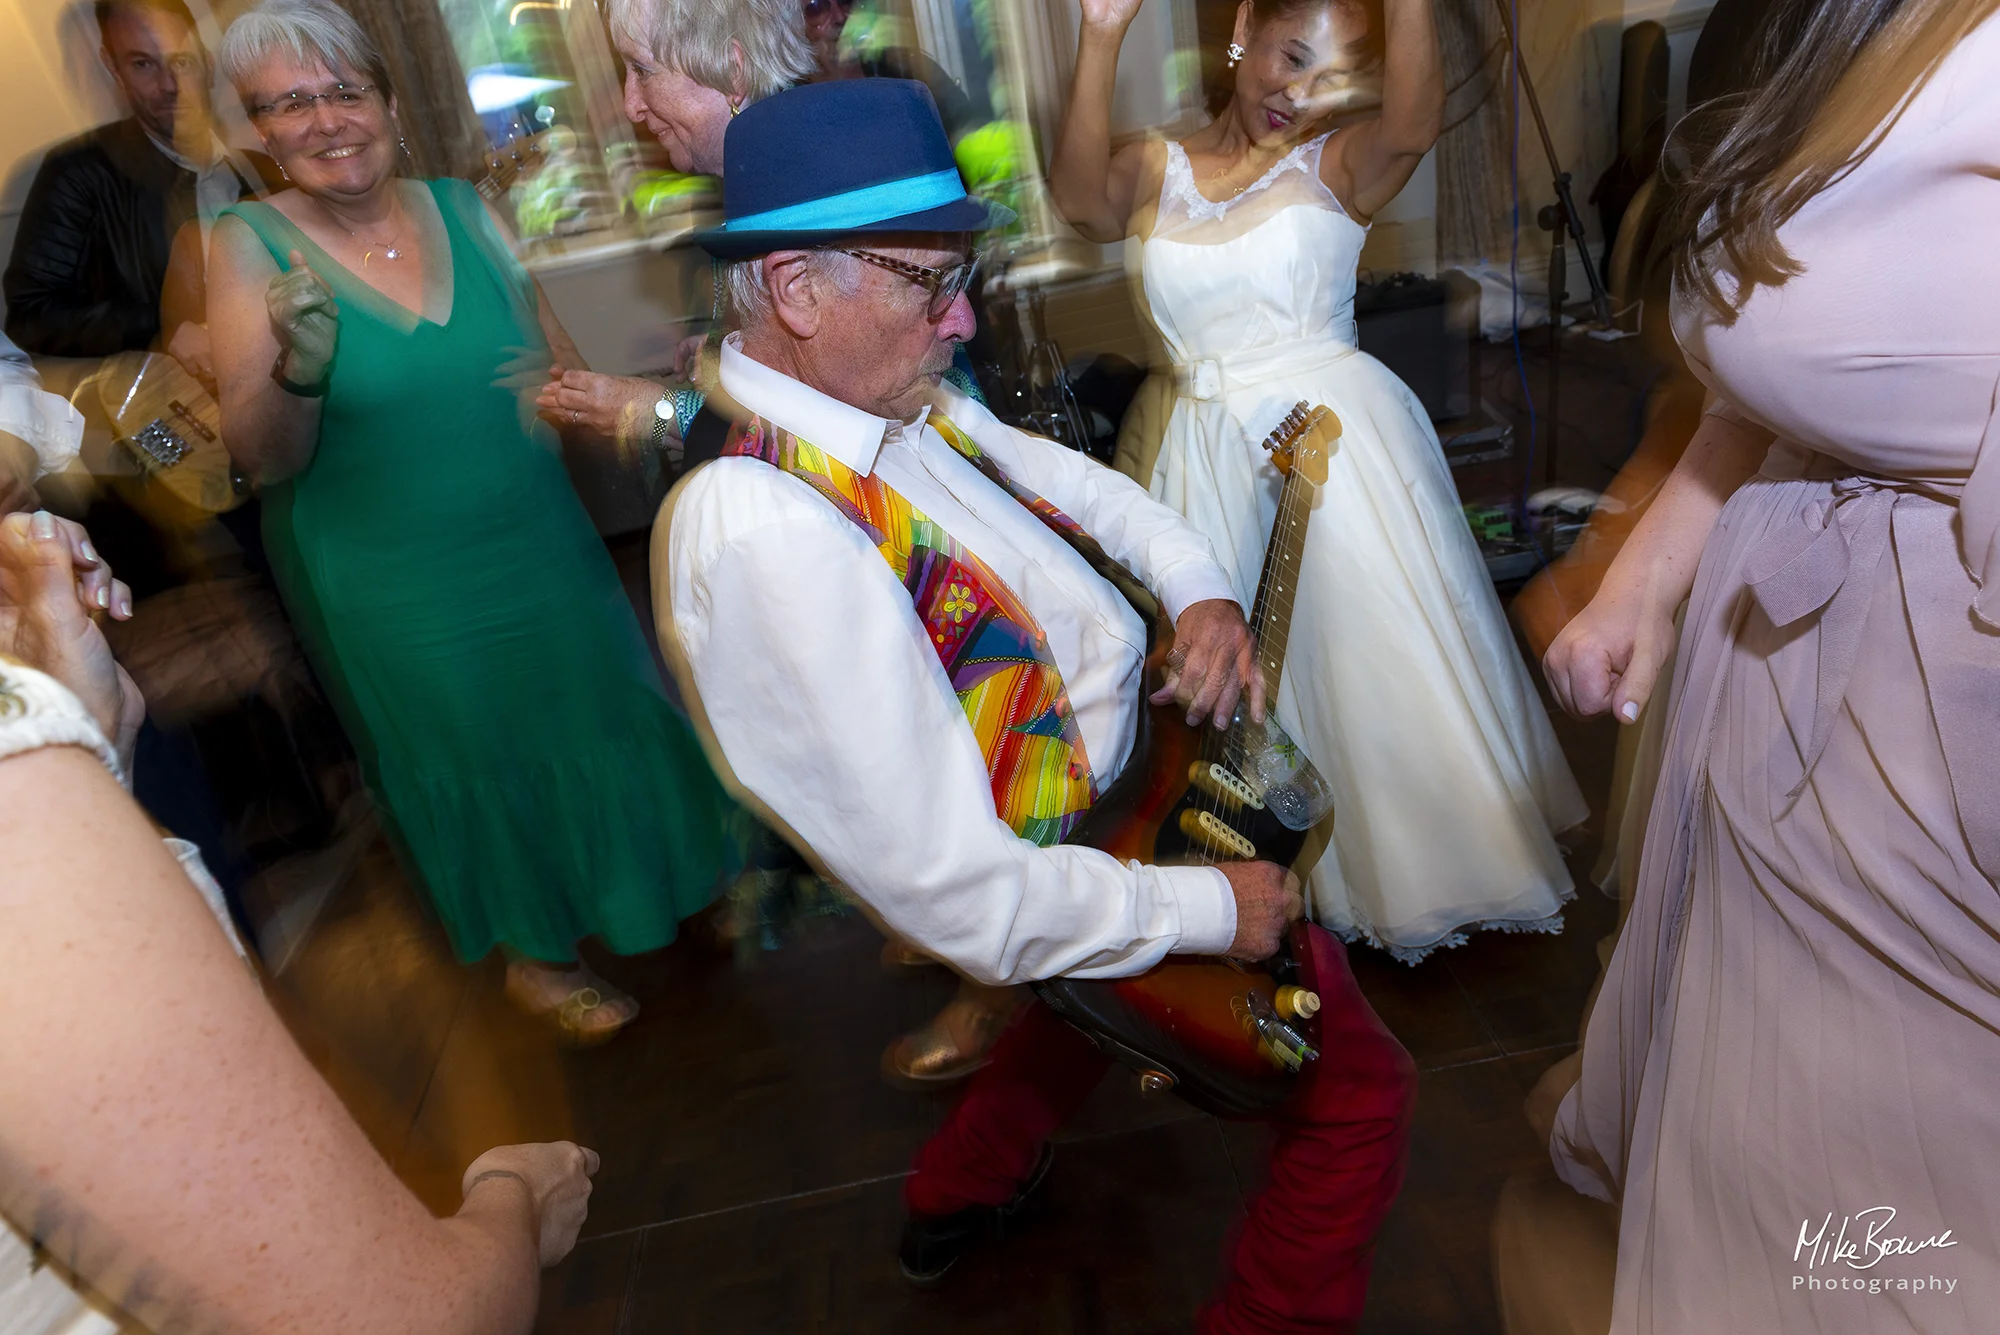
(752,1156)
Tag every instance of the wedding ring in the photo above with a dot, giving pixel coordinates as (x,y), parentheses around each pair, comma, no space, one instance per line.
(573,418)
(1176,656)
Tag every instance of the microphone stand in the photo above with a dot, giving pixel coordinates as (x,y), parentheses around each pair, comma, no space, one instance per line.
(1559,219)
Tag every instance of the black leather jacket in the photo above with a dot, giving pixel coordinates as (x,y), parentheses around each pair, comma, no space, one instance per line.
(90,255)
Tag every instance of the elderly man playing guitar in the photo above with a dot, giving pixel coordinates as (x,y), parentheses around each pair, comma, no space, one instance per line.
(882,606)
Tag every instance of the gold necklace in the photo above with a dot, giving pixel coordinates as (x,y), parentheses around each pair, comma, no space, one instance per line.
(389,249)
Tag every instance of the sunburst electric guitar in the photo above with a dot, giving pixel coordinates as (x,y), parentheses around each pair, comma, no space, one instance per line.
(1230,1038)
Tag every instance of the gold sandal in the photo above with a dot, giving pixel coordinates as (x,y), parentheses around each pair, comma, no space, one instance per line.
(571,1016)
(928,1057)
(574,1010)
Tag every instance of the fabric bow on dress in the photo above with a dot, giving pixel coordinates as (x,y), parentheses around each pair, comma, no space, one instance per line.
(1825,565)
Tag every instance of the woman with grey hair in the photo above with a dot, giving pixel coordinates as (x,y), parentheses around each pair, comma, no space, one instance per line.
(370,337)
(690,66)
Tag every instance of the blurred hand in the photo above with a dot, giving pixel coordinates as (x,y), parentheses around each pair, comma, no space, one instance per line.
(18,466)
(190,346)
(1609,657)
(1109,13)
(53,585)
(610,405)
(305,318)
(558,1177)
(1212,660)
(1267,902)
(687,355)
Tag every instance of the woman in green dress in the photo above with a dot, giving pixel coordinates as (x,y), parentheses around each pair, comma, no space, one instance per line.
(374,337)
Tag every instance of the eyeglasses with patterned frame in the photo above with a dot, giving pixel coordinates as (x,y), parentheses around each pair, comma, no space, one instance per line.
(944,285)
(294,105)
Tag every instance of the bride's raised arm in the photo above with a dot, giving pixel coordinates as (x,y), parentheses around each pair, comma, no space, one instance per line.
(1373,160)
(1093,189)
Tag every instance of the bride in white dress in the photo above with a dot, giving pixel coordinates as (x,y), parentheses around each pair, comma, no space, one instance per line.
(1401,680)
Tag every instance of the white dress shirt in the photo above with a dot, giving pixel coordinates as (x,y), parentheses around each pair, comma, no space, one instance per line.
(821,688)
(219,183)
(51,426)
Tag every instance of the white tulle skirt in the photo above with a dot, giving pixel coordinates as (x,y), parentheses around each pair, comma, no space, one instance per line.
(1402,680)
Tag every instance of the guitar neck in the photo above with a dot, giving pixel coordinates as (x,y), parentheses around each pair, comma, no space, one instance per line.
(1277,588)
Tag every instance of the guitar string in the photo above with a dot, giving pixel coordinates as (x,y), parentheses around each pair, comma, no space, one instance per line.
(1209,800)
(1271,591)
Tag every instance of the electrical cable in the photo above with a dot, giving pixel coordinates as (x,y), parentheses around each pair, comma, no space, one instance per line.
(1514,260)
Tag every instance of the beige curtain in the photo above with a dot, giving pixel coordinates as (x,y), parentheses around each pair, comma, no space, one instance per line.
(1571,52)
(439,125)
(1473,199)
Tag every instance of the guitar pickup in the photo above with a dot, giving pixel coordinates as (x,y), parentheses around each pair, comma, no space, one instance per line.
(1205,827)
(1224,784)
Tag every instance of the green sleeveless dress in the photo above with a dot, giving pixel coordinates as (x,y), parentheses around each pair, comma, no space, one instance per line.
(460,607)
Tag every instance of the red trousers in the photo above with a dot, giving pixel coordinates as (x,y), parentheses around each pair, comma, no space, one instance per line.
(1301,1260)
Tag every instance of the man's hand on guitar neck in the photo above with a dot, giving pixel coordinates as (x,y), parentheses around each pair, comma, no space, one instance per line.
(1267,902)
(1212,663)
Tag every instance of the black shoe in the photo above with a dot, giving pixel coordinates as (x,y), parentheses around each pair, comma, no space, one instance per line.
(932,1244)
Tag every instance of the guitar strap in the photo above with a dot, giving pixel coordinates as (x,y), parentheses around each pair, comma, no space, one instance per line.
(706,436)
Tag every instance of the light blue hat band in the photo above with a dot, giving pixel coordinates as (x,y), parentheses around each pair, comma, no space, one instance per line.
(858,208)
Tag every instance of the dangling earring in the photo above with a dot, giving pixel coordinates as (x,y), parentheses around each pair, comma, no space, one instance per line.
(1236,53)
(734,107)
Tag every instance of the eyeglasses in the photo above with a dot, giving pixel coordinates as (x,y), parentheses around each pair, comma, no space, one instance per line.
(293,106)
(944,285)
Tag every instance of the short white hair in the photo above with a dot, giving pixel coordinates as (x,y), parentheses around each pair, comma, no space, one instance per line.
(750,294)
(308,32)
(701,39)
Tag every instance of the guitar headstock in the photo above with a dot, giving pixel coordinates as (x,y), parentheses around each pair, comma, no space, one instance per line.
(511,161)
(1303,441)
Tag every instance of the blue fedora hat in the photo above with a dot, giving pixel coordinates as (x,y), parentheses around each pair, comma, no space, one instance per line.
(825,161)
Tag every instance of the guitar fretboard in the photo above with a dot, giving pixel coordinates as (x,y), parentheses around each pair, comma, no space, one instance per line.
(1277,587)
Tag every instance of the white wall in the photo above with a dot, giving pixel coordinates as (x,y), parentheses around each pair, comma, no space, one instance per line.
(1404,237)
(51,87)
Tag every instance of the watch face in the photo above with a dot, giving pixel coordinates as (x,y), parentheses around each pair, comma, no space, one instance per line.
(664,409)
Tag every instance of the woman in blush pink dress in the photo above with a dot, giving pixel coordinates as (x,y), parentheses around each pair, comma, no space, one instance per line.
(1791,1080)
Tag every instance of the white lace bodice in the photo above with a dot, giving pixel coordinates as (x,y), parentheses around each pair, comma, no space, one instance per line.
(1274,265)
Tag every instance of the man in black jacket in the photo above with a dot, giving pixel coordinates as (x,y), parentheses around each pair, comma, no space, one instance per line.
(91,254)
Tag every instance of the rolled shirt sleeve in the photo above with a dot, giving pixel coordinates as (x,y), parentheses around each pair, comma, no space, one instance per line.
(823,693)
(49,423)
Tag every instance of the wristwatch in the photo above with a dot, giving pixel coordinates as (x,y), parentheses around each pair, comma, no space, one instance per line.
(664,418)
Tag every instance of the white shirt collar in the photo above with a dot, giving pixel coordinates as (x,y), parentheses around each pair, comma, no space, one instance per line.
(847,433)
(216,153)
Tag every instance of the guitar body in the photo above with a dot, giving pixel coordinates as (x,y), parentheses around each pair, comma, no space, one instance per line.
(1180,1021)
(174,432)
(1140,817)
(1212,1029)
